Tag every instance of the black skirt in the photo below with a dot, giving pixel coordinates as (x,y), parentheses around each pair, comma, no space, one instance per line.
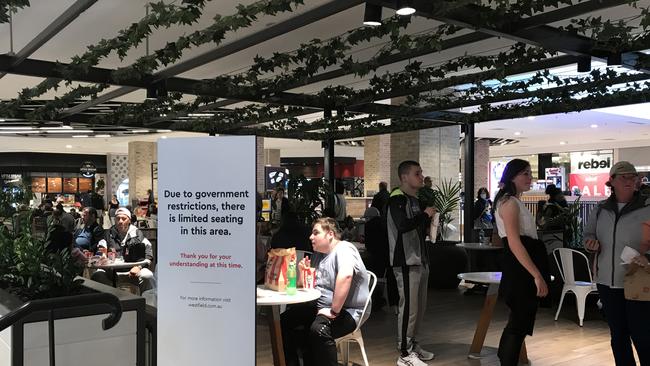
(518,285)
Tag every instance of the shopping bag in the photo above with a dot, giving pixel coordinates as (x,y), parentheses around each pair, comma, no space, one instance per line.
(637,283)
(275,277)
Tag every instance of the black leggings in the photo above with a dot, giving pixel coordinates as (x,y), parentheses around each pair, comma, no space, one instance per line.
(315,336)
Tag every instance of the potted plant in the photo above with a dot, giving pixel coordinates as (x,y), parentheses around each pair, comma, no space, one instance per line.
(309,198)
(446,259)
(30,273)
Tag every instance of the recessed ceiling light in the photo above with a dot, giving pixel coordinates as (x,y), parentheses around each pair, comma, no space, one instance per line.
(79,136)
(68,146)
(102,136)
(67,131)
(140,131)
(531,118)
(163,137)
(13,128)
(163,131)
(593,125)
(563,142)
(517,133)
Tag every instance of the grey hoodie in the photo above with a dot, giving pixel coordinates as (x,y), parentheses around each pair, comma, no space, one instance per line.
(615,230)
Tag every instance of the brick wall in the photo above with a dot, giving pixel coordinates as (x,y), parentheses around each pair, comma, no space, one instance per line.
(376,156)
(141,155)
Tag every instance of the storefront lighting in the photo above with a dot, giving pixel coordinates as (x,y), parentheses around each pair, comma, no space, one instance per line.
(79,136)
(102,136)
(563,142)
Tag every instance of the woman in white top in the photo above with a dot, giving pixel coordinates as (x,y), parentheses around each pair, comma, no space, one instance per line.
(525,264)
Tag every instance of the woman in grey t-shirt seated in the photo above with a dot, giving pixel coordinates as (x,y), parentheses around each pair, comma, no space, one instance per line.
(343,282)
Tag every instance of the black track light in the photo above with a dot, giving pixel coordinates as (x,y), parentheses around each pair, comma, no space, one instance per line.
(372,15)
(584,64)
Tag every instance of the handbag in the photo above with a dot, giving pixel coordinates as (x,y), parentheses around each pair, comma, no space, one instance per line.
(636,284)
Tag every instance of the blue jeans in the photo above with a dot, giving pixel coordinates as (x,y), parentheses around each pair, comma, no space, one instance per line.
(628,320)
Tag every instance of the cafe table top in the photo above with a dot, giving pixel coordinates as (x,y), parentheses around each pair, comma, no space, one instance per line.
(272,297)
(478,246)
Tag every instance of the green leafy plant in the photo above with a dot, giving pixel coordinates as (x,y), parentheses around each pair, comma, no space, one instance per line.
(30,271)
(308,198)
(567,218)
(446,200)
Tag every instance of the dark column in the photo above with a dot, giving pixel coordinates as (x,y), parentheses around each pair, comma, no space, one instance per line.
(328,160)
(543,161)
(468,184)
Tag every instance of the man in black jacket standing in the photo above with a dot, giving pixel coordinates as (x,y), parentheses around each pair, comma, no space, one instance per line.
(407,223)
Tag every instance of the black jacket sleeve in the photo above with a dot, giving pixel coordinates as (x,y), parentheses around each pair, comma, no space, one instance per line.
(397,208)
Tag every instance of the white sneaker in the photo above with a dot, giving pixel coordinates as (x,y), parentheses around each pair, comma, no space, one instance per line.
(423,354)
(411,360)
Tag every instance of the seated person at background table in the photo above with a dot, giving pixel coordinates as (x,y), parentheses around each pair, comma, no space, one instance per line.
(129,242)
(57,238)
(349,229)
(88,236)
(343,282)
(291,233)
(67,220)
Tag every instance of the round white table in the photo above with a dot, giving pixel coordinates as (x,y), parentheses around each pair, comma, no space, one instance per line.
(274,299)
(492,279)
(114,266)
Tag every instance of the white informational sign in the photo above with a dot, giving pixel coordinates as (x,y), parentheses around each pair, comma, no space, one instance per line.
(206,251)
(557,176)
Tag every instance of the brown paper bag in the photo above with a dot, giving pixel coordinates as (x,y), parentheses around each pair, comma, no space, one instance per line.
(275,277)
(637,283)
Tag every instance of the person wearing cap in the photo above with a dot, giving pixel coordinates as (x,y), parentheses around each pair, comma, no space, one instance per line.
(615,223)
(129,242)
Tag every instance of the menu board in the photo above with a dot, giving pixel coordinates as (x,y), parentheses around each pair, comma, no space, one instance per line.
(38,185)
(69,185)
(85,184)
(54,184)
(206,264)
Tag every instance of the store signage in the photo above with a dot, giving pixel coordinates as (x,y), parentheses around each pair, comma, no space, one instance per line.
(590,185)
(88,169)
(591,162)
(557,176)
(206,265)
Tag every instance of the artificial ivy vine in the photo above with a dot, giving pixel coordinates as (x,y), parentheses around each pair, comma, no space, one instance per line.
(268,77)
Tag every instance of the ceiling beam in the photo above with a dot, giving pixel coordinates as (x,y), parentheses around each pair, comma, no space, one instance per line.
(308,17)
(551,38)
(528,23)
(50,31)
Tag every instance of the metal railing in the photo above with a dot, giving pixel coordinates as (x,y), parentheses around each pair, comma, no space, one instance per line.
(16,317)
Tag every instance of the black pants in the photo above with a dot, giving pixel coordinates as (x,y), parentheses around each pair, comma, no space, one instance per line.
(315,336)
(627,320)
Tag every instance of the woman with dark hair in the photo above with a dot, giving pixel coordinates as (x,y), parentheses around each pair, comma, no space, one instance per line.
(525,264)
(483,218)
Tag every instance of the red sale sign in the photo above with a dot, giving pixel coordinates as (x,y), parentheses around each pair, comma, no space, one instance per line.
(590,185)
